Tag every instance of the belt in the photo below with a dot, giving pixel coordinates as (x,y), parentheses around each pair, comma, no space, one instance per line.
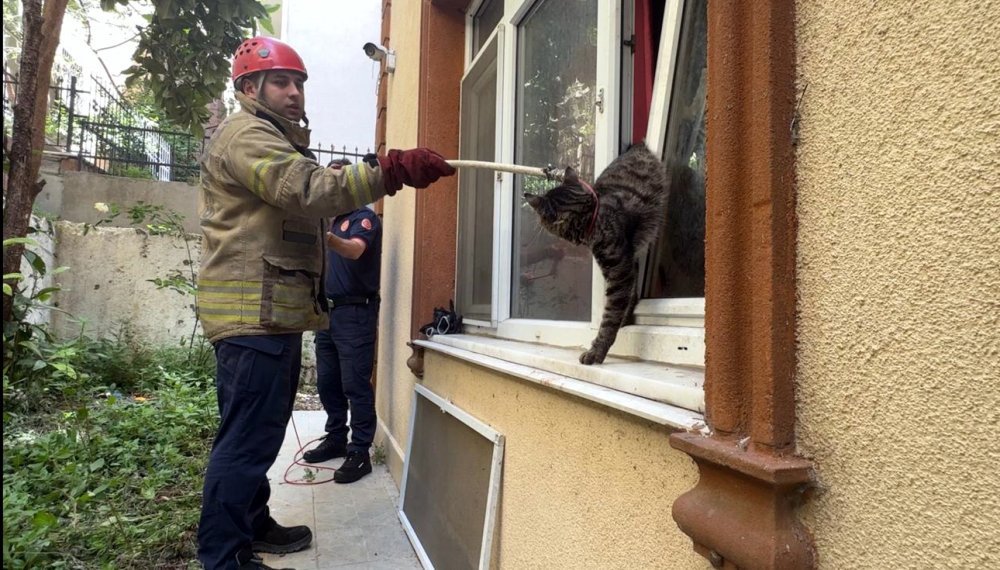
(353,300)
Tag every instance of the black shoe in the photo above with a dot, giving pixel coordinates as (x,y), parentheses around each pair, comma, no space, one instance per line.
(326,450)
(256,563)
(357,465)
(279,539)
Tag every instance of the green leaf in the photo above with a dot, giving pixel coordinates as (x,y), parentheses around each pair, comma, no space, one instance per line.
(96,465)
(36,261)
(17,240)
(43,519)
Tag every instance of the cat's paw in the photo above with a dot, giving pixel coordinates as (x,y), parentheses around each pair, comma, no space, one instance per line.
(592,357)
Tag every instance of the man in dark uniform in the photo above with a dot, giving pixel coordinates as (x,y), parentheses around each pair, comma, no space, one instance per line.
(345,352)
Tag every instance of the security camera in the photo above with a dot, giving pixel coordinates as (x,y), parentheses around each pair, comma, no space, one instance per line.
(379,53)
(374,52)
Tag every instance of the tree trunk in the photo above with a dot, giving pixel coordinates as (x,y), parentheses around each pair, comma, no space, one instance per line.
(41,38)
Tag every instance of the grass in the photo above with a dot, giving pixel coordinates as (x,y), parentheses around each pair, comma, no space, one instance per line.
(109,477)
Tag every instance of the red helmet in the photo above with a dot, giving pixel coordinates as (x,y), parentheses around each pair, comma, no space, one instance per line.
(263,54)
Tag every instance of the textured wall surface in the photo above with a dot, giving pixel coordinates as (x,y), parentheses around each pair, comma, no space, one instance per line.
(72,195)
(899,280)
(107,283)
(394,396)
(584,486)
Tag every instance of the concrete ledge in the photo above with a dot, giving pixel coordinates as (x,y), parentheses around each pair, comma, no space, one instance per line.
(504,356)
(72,195)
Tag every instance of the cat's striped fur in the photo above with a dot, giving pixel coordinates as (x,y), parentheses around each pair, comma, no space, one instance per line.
(632,193)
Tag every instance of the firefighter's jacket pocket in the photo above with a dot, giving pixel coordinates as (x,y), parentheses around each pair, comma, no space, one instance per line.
(290,293)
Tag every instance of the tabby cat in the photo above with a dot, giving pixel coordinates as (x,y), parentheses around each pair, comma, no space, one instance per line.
(616,218)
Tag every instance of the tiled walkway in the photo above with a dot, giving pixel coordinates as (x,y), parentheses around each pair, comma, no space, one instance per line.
(354,526)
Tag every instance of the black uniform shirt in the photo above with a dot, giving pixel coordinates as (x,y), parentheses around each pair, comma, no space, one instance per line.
(355,277)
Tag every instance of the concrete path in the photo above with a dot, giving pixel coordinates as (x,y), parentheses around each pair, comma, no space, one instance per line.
(354,526)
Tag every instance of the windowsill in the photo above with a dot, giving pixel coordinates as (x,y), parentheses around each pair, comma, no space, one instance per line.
(669,393)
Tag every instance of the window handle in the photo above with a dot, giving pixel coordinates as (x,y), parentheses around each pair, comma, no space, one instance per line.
(599,102)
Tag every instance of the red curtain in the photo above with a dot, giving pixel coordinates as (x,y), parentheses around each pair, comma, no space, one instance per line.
(642,70)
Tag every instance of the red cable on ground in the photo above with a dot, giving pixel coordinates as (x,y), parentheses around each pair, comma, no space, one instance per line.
(298,456)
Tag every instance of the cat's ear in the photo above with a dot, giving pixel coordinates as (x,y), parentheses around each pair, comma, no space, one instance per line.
(571,176)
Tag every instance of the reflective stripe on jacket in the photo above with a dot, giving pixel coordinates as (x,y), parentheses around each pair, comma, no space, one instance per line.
(261,204)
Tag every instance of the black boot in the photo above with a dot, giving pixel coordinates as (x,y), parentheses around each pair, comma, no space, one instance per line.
(357,465)
(326,450)
(254,562)
(277,539)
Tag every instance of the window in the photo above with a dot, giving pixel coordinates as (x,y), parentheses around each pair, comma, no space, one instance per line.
(485,21)
(476,195)
(555,94)
(556,82)
(676,267)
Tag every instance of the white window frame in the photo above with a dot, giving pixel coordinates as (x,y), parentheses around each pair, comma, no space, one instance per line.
(666,330)
(463,266)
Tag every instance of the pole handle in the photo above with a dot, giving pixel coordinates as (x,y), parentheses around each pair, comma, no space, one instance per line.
(549,172)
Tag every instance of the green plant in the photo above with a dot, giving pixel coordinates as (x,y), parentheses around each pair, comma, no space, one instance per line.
(113,481)
(378,454)
(111,212)
(33,362)
(105,443)
(133,171)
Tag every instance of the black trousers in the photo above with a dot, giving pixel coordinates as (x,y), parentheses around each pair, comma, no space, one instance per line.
(256,380)
(345,355)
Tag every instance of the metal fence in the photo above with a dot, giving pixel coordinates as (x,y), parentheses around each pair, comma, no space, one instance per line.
(325,155)
(59,122)
(107,134)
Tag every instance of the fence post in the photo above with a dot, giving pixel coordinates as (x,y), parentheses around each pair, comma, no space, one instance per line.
(72,111)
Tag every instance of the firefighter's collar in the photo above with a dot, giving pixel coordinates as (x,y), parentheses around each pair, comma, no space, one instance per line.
(296,134)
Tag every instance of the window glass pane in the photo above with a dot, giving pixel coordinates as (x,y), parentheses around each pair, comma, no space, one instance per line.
(482,264)
(485,20)
(476,188)
(677,259)
(556,70)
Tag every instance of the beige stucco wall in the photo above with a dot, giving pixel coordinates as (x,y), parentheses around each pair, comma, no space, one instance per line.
(394,384)
(899,279)
(584,486)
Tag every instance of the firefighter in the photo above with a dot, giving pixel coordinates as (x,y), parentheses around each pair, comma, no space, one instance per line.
(262,200)
(345,353)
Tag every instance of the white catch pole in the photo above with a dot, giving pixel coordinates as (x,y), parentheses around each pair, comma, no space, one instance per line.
(548,172)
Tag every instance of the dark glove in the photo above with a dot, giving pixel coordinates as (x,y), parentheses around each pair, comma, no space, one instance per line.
(417,167)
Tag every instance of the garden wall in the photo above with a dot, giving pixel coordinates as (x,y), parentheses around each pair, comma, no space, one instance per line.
(71,196)
(108,284)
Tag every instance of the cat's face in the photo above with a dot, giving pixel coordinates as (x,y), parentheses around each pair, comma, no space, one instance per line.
(561,209)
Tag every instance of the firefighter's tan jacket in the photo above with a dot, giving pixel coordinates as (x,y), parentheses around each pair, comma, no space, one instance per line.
(262,204)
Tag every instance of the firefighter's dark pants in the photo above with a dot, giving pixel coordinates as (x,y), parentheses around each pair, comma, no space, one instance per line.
(256,380)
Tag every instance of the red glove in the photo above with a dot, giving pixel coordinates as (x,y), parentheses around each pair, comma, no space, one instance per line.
(417,167)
